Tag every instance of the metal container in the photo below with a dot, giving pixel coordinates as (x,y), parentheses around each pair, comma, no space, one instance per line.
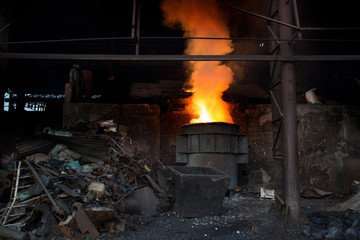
(218,145)
(197,191)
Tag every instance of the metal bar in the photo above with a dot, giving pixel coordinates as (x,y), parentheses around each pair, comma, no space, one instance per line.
(14,191)
(65,40)
(15,225)
(272,86)
(264,17)
(269,9)
(329,28)
(169,38)
(273,34)
(133,20)
(111,57)
(277,136)
(137,47)
(25,186)
(272,71)
(296,14)
(275,49)
(292,185)
(56,207)
(5,27)
(276,104)
(294,36)
(17,214)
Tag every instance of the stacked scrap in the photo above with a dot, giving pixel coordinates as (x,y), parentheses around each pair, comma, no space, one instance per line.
(87,184)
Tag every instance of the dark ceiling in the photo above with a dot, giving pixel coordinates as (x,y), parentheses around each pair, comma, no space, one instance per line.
(33,23)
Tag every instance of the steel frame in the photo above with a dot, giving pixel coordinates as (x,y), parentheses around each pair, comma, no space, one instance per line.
(118,57)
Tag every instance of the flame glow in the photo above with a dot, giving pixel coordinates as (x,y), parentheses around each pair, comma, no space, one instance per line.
(203,18)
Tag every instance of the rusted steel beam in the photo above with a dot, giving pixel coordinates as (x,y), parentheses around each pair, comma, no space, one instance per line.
(111,57)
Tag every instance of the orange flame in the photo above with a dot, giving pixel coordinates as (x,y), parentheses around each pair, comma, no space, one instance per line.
(199,18)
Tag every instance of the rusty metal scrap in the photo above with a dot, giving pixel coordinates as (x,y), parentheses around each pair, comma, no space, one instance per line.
(120,169)
(83,222)
(55,206)
(12,234)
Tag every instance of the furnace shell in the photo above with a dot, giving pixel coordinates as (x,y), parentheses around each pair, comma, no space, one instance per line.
(217,144)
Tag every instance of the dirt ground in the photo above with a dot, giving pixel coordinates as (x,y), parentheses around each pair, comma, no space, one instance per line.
(243,216)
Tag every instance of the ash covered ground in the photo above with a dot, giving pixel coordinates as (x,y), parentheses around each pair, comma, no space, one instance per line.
(243,216)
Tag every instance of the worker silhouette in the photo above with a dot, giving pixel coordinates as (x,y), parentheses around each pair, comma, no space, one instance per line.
(77,83)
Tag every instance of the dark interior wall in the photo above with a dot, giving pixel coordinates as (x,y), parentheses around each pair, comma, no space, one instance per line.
(329,146)
(17,125)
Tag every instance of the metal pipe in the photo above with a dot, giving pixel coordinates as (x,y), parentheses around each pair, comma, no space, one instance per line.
(12,234)
(56,207)
(112,57)
(292,185)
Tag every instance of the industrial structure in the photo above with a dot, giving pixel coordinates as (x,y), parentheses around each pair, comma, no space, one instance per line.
(135,73)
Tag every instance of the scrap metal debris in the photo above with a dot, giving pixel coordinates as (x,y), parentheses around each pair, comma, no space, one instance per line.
(85,185)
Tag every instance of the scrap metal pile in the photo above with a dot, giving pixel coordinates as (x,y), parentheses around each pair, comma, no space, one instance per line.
(86,186)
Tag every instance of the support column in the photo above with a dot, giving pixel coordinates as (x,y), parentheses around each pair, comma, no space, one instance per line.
(292,186)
